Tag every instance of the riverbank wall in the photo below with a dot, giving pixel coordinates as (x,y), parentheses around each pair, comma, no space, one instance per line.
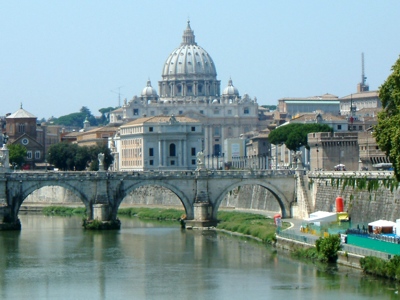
(344,258)
(367,196)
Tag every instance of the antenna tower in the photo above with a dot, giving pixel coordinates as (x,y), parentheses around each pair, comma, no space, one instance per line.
(119,95)
(362,86)
(363,78)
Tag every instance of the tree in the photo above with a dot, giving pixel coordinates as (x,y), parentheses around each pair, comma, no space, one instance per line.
(387,131)
(62,155)
(105,114)
(71,157)
(328,248)
(294,135)
(76,119)
(17,154)
(94,152)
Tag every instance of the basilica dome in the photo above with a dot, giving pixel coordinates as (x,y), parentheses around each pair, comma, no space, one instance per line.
(149,91)
(189,71)
(189,60)
(230,90)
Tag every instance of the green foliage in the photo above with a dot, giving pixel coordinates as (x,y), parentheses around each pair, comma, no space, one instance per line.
(105,114)
(379,267)
(387,131)
(305,253)
(99,225)
(76,119)
(63,211)
(71,157)
(151,213)
(17,154)
(325,250)
(254,225)
(328,247)
(294,135)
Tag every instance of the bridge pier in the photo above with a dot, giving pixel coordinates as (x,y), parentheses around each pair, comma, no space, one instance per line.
(7,219)
(202,215)
(202,208)
(100,214)
(101,218)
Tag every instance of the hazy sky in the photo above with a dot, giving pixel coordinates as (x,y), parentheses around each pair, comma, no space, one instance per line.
(57,56)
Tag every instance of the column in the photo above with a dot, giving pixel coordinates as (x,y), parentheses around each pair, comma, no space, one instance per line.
(160,151)
(185,154)
(165,150)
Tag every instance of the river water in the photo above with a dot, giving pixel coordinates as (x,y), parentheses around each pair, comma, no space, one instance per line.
(54,258)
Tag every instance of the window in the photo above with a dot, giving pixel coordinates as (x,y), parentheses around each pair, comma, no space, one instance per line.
(216,131)
(37,154)
(21,127)
(172,150)
(216,112)
(151,162)
(135,111)
(193,151)
(180,112)
(150,129)
(193,128)
(229,111)
(193,161)
(151,151)
(189,89)
(29,154)
(339,127)
(246,110)
(202,112)
(172,163)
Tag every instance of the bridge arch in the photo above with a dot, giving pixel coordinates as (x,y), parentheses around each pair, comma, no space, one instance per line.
(282,200)
(23,192)
(174,189)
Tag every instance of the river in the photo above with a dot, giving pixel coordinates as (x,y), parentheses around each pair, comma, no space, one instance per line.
(54,258)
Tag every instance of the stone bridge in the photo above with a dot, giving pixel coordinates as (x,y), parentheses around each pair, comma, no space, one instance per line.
(201,192)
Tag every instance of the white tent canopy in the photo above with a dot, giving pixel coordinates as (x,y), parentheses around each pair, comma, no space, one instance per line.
(382,223)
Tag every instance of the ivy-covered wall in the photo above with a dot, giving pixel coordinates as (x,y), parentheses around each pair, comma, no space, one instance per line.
(368,196)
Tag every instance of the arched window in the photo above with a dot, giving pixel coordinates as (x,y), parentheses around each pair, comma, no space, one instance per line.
(172,150)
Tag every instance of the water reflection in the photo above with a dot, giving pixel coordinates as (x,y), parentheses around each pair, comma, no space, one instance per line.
(53,257)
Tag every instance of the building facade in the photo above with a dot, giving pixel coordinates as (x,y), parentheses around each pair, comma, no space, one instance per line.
(157,143)
(292,106)
(189,87)
(21,129)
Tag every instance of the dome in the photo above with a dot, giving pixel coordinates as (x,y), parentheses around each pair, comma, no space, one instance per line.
(149,91)
(230,90)
(189,61)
